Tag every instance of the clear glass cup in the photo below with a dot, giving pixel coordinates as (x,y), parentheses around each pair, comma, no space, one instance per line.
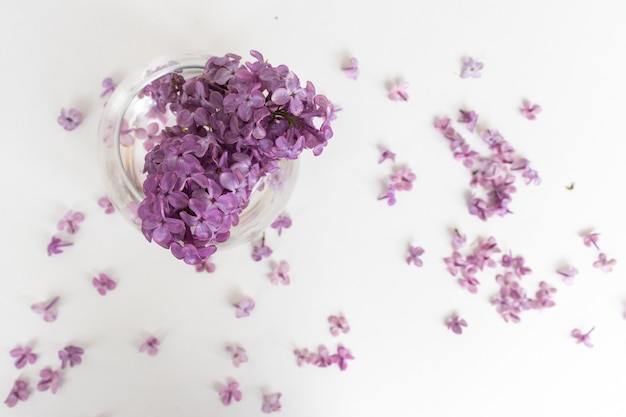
(127,115)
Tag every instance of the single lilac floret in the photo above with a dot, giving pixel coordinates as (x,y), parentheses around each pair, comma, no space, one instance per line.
(456,324)
(271,402)
(471,68)
(70,119)
(244,307)
(103,284)
(469,118)
(55,245)
(338,324)
(280,274)
(342,357)
(70,355)
(70,221)
(568,274)
(230,392)
(50,380)
(386,154)
(352,69)
(583,338)
(19,392)
(413,255)
(238,355)
(23,356)
(530,111)
(47,309)
(603,263)
(106,204)
(281,222)
(150,346)
(591,239)
(109,86)
(398,92)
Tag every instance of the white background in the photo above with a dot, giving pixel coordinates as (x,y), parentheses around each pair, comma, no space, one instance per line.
(346,248)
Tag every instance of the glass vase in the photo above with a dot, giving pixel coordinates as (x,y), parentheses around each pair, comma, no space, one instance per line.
(129,123)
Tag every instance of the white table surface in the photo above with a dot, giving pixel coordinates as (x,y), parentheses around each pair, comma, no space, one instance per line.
(346,248)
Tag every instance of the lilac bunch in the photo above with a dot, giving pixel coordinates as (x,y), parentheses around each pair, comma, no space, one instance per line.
(234,123)
(495,174)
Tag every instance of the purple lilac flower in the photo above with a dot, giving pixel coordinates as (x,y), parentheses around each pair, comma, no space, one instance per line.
(456,324)
(281,222)
(338,324)
(398,92)
(568,274)
(583,338)
(352,69)
(46,309)
(342,357)
(413,256)
(70,221)
(103,284)
(151,135)
(603,263)
(234,123)
(244,307)
(238,355)
(280,274)
(402,179)
(261,251)
(70,355)
(109,86)
(386,154)
(106,204)
(471,68)
(230,392)
(150,346)
(530,111)
(70,119)
(469,118)
(23,355)
(50,380)
(458,241)
(271,402)
(389,195)
(55,245)
(19,392)
(591,239)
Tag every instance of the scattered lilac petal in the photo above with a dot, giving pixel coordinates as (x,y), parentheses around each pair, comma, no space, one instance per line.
(603,263)
(23,356)
(271,402)
(398,92)
(70,355)
(230,392)
(106,204)
(109,86)
(261,251)
(402,179)
(390,196)
(49,380)
(413,256)
(281,222)
(244,307)
(352,70)
(583,338)
(530,111)
(456,324)
(591,239)
(70,221)
(568,274)
(19,392)
(70,119)
(458,241)
(322,358)
(205,265)
(237,354)
(471,68)
(280,274)
(342,357)
(47,309)
(386,154)
(103,284)
(543,297)
(303,356)
(55,245)
(470,118)
(150,346)
(338,324)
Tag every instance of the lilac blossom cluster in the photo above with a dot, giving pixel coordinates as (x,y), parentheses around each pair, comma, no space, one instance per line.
(234,123)
(512,298)
(495,174)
